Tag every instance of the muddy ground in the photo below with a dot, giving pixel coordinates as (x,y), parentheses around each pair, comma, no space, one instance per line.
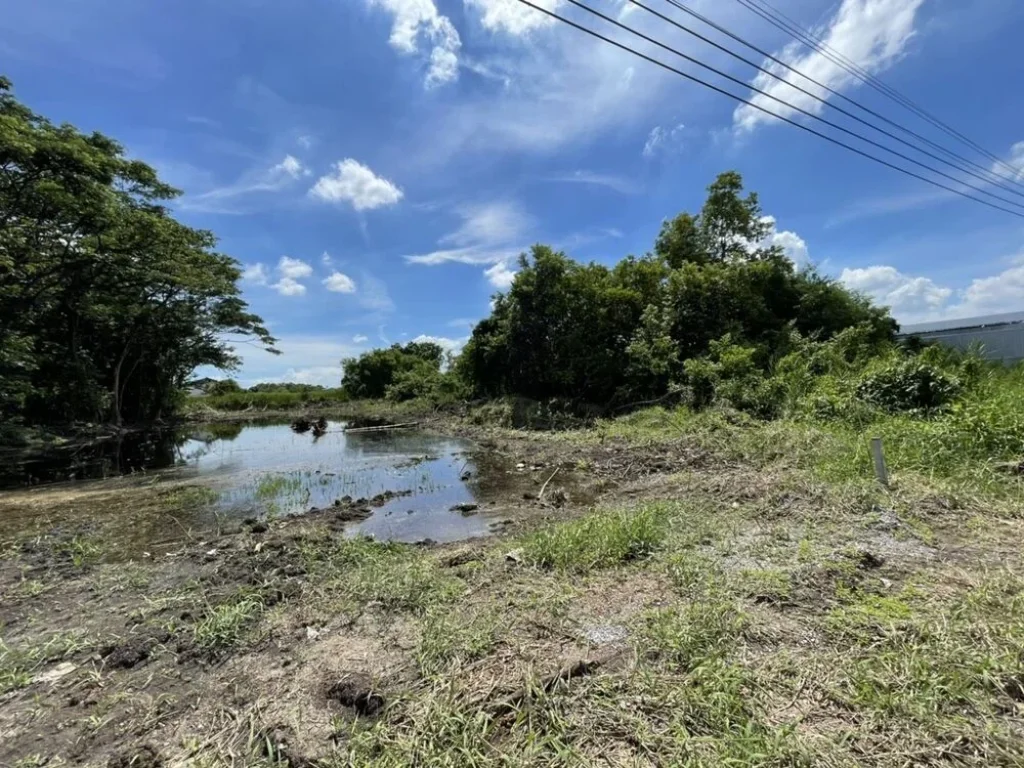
(289,644)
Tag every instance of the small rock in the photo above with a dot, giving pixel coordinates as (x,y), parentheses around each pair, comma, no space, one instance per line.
(465,476)
(313,633)
(530,496)
(54,674)
(465,509)
(515,556)
(426,543)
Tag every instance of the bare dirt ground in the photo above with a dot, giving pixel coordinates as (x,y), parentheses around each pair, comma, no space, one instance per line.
(649,602)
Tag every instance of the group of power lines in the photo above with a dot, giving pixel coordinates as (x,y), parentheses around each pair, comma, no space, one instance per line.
(994,184)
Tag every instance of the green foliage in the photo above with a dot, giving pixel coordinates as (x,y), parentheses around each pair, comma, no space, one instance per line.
(108,302)
(908,385)
(408,371)
(627,334)
(598,541)
(271,400)
(223,387)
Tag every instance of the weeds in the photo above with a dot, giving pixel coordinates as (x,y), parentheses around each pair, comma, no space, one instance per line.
(225,625)
(598,540)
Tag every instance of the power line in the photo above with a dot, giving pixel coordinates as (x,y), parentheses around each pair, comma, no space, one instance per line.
(758,107)
(991,176)
(793,107)
(846,112)
(779,20)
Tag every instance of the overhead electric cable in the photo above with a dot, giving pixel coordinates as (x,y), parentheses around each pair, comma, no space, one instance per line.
(995,178)
(990,178)
(808,129)
(779,20)
(788,105)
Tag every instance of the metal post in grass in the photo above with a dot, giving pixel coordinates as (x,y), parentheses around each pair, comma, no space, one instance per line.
(879,457)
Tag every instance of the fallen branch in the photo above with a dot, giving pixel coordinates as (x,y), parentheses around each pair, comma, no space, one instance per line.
(540,495)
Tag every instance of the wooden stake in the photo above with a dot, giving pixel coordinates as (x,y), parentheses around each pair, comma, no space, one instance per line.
(879,457)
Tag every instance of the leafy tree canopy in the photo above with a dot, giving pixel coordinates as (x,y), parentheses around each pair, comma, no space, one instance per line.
(108,303)
(587,332)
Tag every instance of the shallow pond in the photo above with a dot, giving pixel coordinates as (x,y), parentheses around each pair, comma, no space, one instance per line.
(239,471)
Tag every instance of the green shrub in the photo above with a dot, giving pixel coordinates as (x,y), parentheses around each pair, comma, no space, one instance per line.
(909,385)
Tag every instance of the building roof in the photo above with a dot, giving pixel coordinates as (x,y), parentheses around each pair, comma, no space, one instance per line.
(963,323)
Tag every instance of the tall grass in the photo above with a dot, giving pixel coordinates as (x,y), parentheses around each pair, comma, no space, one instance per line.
(598,541)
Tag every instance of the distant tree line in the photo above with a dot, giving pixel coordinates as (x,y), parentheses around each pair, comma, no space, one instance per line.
(107,303)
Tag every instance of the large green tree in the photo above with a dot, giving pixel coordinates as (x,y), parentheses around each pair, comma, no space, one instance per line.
(586,332)
(107,303)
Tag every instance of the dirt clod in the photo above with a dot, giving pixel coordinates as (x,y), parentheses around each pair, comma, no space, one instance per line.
(355,690)
(144,756)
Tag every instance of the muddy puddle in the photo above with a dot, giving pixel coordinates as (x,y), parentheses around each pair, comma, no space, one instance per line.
(404,485)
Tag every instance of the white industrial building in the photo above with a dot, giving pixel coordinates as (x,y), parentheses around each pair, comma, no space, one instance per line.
(1000,336)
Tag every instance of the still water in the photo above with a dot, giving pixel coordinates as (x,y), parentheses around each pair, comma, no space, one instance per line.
(268,470)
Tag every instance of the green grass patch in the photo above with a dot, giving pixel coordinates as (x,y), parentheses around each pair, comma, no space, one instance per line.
(225,625)
(19,664)
(599,540)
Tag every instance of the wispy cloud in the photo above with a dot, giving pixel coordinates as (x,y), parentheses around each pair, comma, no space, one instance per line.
(619,184)
(226,199)
(490,233)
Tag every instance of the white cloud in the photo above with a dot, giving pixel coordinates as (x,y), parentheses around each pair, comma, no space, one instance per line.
(480,255)
(360,338)
(500,275)
(545,87)
(989,295)
(874,34)
(611,181)
(304,359)
(226,199)
(1015,161)
(497,222)
(256,274)
(511,16)
(339,283)
(448,345)
(354,183)
(490,233)
(911,299)
(304,141)
(293,268)
(663,140)
(326,260)
(287,286)
(291,166)
(417,21)
(794,246)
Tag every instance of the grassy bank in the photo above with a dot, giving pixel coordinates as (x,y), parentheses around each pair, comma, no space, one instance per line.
(741,593)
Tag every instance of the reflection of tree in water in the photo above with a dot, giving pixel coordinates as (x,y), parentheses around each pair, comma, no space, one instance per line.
(196,443)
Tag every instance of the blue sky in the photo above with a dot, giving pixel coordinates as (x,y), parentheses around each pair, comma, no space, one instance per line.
(377,164)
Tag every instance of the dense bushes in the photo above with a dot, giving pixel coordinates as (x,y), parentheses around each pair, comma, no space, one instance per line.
(630,333)
(401,373)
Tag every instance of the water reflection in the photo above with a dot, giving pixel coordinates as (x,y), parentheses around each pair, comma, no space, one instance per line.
(267,470)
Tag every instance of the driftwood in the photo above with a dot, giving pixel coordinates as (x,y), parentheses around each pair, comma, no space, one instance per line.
(385,426)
